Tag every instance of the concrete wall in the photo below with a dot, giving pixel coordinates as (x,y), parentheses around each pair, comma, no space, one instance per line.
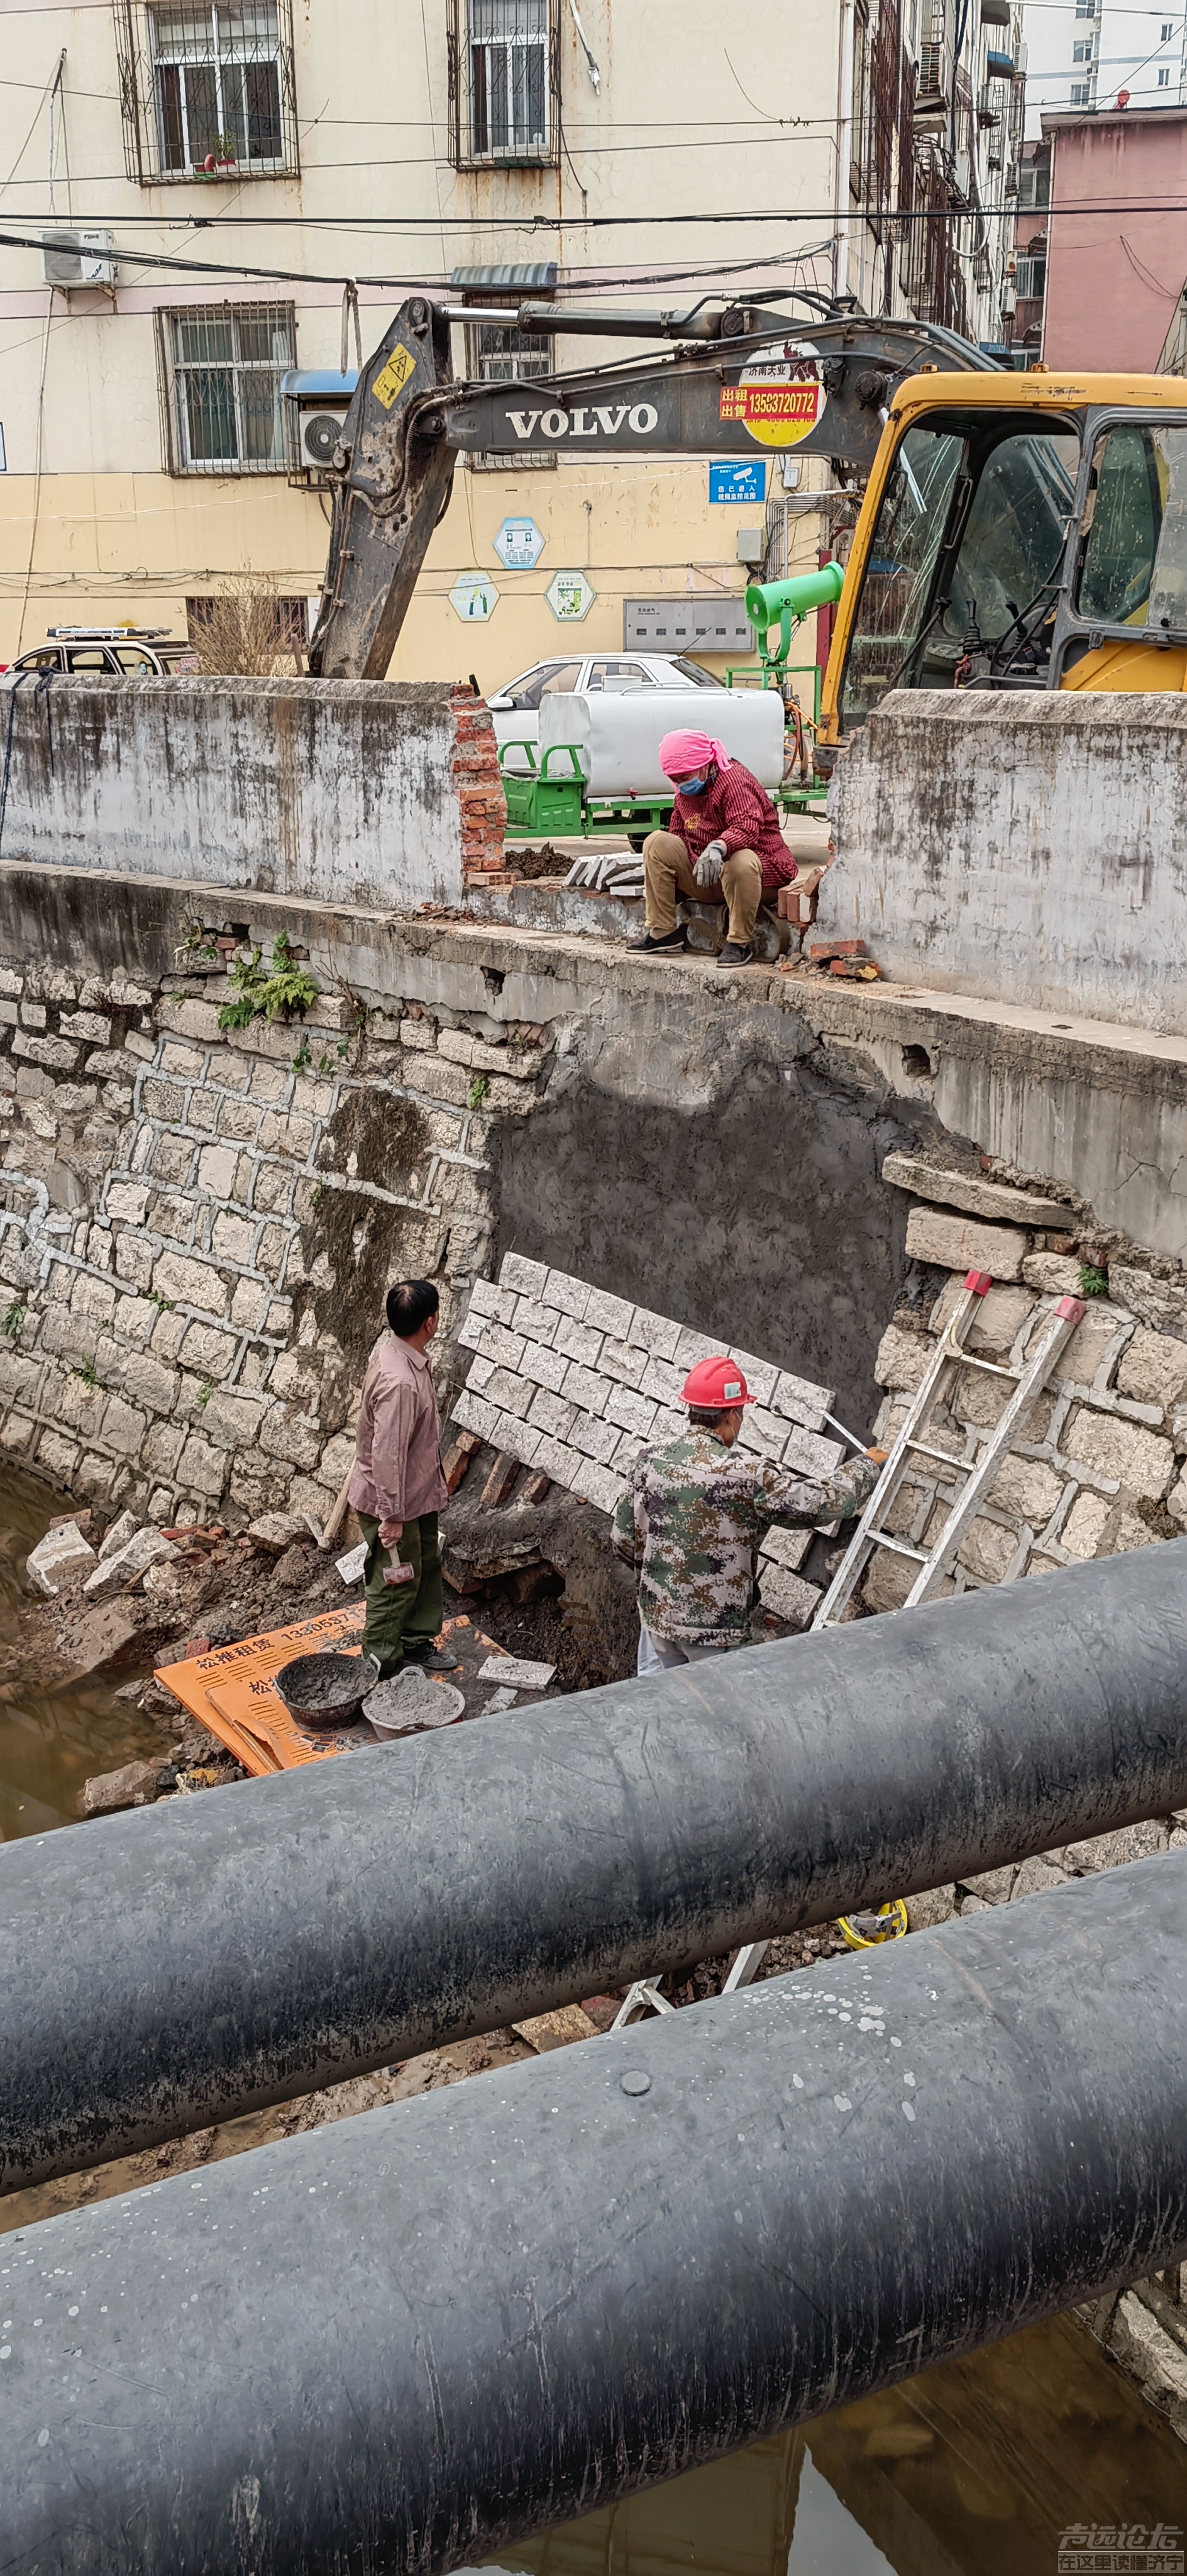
(347,791)
(1031,849)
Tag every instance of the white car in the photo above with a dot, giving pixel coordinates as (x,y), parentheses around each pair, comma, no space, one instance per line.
(105,652)
(516,708)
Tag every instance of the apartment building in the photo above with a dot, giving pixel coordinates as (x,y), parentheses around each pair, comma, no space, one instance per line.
(1102,53)
(190,187)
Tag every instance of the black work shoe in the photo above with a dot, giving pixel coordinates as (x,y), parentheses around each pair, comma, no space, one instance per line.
(734,956)
(431,1659)
(652,940)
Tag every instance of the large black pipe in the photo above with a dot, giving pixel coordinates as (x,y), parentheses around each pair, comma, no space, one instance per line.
(180,1964)
(406,2341)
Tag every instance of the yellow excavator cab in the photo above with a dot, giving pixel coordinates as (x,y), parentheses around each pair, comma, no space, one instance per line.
(1017,532)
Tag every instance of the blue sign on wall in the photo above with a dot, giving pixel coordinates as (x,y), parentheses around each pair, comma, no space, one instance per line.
(743,480)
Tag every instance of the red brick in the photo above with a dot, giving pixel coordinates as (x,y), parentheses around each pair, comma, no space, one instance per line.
(500,1481)
(454,1463)
(536,1488)
(827,948)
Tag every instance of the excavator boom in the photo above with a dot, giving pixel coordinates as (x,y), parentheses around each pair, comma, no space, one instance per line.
(743,382)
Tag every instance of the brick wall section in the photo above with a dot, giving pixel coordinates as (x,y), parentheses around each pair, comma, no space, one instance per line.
(479,789)
(574,1382)
(159,1342)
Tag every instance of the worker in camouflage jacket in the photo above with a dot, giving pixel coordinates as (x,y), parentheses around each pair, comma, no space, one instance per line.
(697,1512)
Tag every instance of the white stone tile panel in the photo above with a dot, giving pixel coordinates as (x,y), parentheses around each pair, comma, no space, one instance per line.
(578,1341)
(662,1381)
(550,1413)
(525,1278)
(512,1394)
(787,1595)
(786,1547)
(655,1333)
(545,1367)
(597,1485)
(627,1362)
(585,1387)
(807,1454)
(632,1412)
(801,1401)
(472,1413)
(594,1438)
(609,1314)
(480,1374)
(517,1438)
(535,1320)
(487,1298)
(569,1294)
(554,1458)
(692,1347)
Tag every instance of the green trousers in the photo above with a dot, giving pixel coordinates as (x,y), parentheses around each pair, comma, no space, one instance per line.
(402,1616)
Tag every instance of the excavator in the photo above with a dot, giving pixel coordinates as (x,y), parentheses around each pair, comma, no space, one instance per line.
(1018,531)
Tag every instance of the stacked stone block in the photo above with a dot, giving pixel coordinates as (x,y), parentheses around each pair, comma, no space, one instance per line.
(160,1274)
(574,1383)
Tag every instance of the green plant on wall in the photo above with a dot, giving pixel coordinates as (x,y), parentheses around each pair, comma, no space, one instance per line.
(477,1091)
(288,988)
(12,1322)
(1094,1282)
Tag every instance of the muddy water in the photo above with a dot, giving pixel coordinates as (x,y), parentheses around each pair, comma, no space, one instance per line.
(975,2469)
(51,1741)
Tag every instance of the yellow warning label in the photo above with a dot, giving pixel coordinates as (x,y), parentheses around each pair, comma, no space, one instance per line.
(393,378)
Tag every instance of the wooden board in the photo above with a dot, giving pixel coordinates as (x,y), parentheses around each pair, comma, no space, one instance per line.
(231,1690)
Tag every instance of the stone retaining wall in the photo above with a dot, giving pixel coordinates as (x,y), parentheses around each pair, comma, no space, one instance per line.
(197,1226)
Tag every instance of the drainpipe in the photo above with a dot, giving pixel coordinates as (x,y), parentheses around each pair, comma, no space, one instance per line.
(416,2338)
(186,1962)
(844,142)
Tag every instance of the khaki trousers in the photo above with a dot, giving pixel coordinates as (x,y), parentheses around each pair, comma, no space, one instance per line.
(667,870)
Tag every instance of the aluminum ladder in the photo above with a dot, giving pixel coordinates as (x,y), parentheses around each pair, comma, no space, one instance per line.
(934,1563)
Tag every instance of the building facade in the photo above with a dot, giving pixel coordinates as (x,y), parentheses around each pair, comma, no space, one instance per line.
(190,187)
(1116,255)
(1094,53)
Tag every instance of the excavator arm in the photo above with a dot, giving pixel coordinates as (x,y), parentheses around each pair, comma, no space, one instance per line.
(740,382)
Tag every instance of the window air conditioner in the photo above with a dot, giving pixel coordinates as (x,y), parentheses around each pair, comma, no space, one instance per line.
(77,259)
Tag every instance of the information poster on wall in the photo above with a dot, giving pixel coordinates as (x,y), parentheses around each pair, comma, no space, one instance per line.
(570,597)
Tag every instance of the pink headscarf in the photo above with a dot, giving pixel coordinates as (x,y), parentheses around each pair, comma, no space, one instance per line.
(682,754)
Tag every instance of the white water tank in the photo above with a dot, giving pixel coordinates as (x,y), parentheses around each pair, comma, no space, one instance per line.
(618,738)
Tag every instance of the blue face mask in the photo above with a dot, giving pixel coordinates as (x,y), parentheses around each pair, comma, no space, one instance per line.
(691,787)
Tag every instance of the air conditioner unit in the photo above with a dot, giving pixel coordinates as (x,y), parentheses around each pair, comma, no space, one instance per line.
(319,429)
(77,259)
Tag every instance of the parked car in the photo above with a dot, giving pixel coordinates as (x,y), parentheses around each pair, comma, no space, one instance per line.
(516,708)
(92,652)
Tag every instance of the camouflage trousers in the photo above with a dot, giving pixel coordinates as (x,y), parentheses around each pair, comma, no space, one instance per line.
(658,1654)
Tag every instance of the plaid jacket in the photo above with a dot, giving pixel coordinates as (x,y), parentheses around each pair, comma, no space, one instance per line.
(692,1523)
(736,810)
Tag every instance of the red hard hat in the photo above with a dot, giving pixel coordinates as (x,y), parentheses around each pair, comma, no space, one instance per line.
(717,1385)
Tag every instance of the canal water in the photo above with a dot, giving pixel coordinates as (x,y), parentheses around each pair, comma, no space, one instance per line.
(1034,2458)
(51,1740)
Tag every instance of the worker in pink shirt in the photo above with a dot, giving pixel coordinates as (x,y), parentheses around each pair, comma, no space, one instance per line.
(725,846)
(397,1487)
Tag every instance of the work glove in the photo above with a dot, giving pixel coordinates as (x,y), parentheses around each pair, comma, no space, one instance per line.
(710,864)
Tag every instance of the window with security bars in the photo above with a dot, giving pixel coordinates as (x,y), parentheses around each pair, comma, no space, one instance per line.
(221,366)
(207,92)
(1030,282)
(497,354)
(504,80)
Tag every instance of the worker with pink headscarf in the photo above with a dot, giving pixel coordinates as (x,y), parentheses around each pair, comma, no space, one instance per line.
(724,846)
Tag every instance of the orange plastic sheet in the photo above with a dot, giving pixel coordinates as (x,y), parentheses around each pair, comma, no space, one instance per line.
(232,1690)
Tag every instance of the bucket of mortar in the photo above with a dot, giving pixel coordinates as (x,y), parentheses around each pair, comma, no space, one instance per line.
(326,1690)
